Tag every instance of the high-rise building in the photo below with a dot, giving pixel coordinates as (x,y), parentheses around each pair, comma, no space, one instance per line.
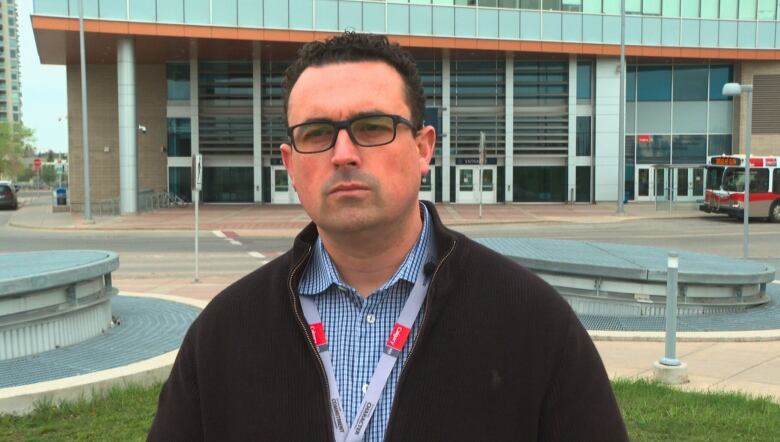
(541,79)
(10,90)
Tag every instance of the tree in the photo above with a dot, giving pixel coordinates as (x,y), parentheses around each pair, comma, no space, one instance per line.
(15,139)
(48,174)
(50,156)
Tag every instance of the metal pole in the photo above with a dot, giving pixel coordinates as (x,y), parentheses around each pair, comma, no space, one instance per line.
(84,117)
(196,198)
(622,112)
(749,135)
(672,265)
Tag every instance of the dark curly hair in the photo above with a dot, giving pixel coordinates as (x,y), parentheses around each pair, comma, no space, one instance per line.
(353,47)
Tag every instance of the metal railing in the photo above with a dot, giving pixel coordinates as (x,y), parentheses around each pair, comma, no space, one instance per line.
(148,201)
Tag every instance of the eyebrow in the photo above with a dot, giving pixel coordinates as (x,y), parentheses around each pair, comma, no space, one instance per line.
(357,115)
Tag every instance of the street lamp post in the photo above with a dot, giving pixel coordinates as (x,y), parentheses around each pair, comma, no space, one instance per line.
(732,90)
(622,112)
(84,116)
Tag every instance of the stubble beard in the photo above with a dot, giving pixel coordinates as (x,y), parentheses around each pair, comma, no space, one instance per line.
(350,215)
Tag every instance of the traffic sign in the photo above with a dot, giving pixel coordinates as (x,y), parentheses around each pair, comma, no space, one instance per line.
(37,164)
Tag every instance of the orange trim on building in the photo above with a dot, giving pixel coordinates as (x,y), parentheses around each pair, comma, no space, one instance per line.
(294,36)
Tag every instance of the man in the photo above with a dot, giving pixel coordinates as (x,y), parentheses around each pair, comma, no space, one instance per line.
(380,323)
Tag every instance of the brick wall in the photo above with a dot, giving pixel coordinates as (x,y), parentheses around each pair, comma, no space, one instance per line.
(151,99)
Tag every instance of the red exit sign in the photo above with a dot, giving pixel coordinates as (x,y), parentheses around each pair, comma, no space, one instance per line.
(645,139)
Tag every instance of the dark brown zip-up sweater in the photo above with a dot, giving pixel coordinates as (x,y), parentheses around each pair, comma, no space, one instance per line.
(500,356)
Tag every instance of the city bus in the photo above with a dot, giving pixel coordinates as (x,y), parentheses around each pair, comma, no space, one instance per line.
(725,191)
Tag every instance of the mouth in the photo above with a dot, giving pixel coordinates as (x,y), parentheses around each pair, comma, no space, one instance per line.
(348,188)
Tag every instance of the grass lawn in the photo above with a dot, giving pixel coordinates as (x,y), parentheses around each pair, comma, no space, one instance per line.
(653,413)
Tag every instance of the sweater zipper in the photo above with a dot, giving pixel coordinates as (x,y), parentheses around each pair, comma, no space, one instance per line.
(419,336)
(307,333)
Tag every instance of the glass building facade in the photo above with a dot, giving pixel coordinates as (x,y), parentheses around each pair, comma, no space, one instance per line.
(536,81)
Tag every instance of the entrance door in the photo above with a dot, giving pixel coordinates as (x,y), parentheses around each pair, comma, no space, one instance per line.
(468,190)
(651,184)
(688,184)
(281,190)
(427,185)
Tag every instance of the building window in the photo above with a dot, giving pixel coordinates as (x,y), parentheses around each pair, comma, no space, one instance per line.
(719,145)
(766,9)
(633,6)
(591,6)
(747,9)
(583,136)
(179,182)
(584,80)
(710,9)
(720,75)
(540,184)
(690,9)
(690,83)
(653,149)
(654,83)
(728,10)
(651,7)
(631,83)
(179,137)
(689,149)
(583,184)
(178,75)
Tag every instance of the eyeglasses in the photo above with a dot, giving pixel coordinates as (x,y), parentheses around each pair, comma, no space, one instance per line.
(364,130)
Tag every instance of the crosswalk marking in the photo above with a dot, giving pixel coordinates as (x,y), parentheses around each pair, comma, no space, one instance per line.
(257,255)
(218,233)
(234,242)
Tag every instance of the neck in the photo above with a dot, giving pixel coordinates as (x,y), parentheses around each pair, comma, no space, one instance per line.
(366,259)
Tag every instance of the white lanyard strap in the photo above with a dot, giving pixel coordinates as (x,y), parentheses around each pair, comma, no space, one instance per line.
(395,343)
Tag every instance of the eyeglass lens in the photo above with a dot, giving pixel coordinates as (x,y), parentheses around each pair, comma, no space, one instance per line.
(366,131)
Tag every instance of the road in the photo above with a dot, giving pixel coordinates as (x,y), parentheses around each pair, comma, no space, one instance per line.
(150,254)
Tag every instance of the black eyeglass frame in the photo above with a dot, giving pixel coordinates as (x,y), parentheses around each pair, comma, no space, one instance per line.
(347,125)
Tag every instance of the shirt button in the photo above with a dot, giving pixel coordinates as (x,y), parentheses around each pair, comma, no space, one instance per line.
(370,318)
(365,388)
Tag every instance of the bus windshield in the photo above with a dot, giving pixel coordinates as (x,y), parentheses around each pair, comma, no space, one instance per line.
(714,177)
(734,180)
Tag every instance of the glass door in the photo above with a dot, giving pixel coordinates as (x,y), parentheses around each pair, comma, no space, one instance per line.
(281,190)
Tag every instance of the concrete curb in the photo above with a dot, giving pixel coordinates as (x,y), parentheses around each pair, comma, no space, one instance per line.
(654,336)
(23,399)
(275,231)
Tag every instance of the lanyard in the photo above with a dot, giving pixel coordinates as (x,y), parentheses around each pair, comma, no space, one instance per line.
(395,343)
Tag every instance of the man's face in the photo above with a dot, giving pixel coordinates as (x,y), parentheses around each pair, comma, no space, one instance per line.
(351,188)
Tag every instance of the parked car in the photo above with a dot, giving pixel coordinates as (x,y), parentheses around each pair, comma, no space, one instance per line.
(8,199)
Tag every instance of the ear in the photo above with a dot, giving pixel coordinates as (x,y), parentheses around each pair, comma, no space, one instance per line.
(426,140)
(287,153)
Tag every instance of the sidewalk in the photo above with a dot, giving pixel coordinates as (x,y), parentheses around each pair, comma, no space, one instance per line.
(750,367)
(286,220)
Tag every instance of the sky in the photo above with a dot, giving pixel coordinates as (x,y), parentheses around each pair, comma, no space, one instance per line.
(44,103)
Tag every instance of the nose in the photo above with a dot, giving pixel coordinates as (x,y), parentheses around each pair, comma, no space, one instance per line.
(345,152)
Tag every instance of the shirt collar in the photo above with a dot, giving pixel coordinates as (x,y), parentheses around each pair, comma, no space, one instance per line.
(321,273)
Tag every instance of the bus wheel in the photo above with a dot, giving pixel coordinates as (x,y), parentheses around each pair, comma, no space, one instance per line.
(774,212)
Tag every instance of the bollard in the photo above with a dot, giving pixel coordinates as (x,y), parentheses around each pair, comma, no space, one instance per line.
(672,266)
(669,369)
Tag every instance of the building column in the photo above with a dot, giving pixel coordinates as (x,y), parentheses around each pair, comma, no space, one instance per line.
(607,138)
(571,160)
(194,100)
(509,126)
(128,127)
(257,130)
(445,127)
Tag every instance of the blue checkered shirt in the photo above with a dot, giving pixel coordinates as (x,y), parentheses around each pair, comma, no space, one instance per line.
(357,328)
